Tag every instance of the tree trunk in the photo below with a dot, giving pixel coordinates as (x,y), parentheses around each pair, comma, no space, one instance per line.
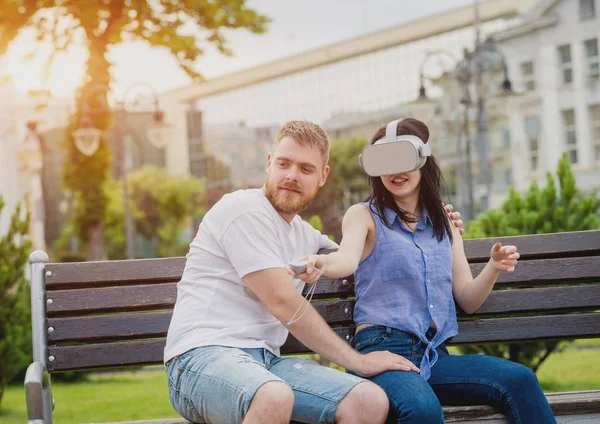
(97,243)
(2,388)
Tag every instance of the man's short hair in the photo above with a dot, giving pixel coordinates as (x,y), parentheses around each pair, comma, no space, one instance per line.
(305,133)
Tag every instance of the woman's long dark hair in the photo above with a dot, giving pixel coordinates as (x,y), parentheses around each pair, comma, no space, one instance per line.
(429,197)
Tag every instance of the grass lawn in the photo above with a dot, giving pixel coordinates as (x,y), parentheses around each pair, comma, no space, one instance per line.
(103,398)
(143,395)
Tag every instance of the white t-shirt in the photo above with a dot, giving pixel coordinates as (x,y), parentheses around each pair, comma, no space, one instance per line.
(241,233)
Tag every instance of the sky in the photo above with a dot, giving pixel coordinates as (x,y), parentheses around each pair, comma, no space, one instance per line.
(297,26)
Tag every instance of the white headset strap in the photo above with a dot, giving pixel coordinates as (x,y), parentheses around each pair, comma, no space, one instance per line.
(391,130)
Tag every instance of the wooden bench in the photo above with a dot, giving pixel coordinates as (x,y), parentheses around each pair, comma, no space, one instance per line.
(94,315)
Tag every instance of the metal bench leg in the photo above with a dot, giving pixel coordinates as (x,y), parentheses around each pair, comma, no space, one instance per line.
(38,394)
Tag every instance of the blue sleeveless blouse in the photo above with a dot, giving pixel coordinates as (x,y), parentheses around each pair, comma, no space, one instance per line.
(406,282)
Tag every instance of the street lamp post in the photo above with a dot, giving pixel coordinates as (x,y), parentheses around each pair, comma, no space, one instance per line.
(463,80)
(87,139)
(488,50)
(470,69)
(31,164)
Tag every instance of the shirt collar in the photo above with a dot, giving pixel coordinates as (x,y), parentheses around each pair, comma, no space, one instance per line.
(391,216)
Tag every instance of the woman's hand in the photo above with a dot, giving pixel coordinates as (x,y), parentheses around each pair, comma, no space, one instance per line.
(504,258)
(315,267)
(455,218)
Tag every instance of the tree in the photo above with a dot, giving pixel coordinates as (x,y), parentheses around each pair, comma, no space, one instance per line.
(99,25)
(538,212)
(162,206)
(15,330)
(347,184)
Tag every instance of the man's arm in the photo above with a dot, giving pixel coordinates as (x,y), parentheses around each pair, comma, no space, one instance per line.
(275,289)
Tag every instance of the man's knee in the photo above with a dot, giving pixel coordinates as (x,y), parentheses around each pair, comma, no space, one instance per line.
(366,402)
(274,394)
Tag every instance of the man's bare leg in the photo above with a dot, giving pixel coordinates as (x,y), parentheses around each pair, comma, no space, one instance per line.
(272,404)
(366,403)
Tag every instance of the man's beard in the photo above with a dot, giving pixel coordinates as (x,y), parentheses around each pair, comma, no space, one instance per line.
(288,203)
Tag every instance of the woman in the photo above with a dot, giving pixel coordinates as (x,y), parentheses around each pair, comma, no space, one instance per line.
(410,268)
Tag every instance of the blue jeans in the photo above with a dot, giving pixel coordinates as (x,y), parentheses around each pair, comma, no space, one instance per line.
(216,384)
(455,380)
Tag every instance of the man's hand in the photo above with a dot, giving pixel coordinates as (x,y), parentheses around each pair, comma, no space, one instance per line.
(455,218)
(504,258)
(315,267)
(377,362)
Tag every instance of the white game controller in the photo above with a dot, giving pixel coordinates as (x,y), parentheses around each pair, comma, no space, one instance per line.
(298,266)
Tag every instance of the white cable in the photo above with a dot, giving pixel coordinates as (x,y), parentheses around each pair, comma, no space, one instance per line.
(311,291)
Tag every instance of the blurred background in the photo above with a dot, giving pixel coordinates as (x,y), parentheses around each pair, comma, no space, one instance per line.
(122,122)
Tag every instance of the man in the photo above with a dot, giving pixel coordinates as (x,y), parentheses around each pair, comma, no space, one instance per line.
(236,304)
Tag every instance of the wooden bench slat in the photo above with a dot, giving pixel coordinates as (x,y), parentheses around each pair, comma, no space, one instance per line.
(112,299)
(576,243)
(335,312)
(542,299)
(566,403)
(499,329)
(546,271)
(155,324)
(156,296)
(481,331)
(137,271)
(572,326)
(326,287)
(151,296)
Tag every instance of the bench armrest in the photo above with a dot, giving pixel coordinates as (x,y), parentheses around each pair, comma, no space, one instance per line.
(38,394)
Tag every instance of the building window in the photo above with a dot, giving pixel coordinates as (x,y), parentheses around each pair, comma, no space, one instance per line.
(508,176)
(527,76)
(595,119)
(593,59)
(533,132)
(587,9)
(564,53)
(570,134)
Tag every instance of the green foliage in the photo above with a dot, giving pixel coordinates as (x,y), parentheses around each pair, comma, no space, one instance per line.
(347,179)
(539,211)
(15,330)
(162,205)
(99,25)
(316,222)
(159,23)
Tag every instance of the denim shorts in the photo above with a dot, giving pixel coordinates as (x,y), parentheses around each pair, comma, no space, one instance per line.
(215,384)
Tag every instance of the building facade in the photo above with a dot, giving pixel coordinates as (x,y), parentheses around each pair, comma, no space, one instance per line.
(21,175)
(554,56)
(350,88)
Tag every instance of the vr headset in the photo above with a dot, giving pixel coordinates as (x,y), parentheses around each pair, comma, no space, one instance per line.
(394,154)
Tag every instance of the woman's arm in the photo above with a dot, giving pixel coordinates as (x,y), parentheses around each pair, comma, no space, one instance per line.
(355,228)
(469,292)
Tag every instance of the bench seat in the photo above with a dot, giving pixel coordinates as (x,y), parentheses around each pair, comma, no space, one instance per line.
(115,314)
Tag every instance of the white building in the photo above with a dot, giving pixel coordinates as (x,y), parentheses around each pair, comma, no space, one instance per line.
(350,88)
(554,57)
(17,186)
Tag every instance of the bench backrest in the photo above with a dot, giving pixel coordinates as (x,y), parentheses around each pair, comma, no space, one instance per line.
(116,313)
